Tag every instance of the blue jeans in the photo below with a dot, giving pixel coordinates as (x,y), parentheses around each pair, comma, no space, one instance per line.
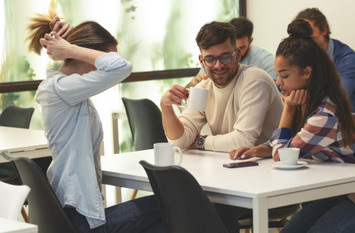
(331,215)
(136,216)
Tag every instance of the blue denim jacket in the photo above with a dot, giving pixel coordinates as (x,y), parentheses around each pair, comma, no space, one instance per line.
(74,132)
(344,59)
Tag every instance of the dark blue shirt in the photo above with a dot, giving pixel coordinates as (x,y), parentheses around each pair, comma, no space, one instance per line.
(344,59)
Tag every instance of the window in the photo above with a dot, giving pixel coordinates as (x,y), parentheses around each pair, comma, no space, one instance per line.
(152,34)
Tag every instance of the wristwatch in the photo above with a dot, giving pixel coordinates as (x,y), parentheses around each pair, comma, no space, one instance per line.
(201,143)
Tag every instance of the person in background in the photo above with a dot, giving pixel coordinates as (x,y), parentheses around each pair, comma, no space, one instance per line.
(250,55)
(341,54)
(317,119)
(73,127)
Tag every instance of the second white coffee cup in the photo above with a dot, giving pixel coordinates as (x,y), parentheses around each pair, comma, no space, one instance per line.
(289,156)
(164,154)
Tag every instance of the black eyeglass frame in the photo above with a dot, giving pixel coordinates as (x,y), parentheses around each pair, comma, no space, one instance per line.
(230,58)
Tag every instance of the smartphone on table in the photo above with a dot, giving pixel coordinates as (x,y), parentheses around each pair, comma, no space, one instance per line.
(238,165)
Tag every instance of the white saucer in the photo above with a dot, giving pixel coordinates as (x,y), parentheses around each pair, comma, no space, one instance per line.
(299,164)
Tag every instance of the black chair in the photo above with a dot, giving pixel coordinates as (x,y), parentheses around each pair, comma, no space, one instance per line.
(145,122)
(17,117)
(183,204)
(45,208)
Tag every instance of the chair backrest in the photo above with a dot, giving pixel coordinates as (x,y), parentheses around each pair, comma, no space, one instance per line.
(18,117)
(12,198)
(183,204)
(44,206)
(145,122)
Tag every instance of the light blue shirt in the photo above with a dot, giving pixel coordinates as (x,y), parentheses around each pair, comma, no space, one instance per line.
(330,49)
(74,132)
(262,59)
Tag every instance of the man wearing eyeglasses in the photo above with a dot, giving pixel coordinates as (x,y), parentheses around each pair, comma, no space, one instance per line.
(250,55)
(243,106)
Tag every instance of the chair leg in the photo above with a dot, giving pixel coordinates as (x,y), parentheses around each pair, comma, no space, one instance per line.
(247,230)
(134,194)
(24,215)
(284,221)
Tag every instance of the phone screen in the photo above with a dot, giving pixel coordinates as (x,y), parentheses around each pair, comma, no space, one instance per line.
(243,164)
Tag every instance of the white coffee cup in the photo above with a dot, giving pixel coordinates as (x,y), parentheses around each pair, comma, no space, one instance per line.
(164,154)
(197,99)
(289,156)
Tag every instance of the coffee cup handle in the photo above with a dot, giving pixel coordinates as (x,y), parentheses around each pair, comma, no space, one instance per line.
(184,103)
(180,153)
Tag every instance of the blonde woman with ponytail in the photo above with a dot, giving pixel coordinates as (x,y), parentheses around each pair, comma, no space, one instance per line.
(73,128)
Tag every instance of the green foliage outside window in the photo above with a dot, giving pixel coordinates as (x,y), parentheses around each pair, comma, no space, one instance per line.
(152,34)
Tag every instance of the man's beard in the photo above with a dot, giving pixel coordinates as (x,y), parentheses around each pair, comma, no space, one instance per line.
(226,80)
(245,54)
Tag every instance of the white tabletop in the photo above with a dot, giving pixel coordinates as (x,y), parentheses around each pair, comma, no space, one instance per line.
(23,142)
(260,187)
(12,226)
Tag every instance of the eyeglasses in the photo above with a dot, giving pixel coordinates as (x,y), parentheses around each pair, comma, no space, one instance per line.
(225,59)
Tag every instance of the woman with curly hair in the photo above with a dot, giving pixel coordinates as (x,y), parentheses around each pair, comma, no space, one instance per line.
(317,119)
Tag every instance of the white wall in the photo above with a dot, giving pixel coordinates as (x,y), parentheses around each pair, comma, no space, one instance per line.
(271,17)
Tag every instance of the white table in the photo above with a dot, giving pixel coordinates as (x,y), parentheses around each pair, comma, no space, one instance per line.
(12,226)
(260,188)
(23,142)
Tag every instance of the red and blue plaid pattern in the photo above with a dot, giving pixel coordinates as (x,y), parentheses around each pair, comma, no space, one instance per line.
(320,137)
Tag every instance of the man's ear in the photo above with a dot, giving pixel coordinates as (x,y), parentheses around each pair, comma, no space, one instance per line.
(324,32)
(307,71)
(201,61)
(251,40)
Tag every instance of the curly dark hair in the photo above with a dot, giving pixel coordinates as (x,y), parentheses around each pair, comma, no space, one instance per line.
(300,50)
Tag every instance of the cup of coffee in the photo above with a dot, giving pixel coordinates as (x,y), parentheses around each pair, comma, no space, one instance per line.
(164,154)
(289,156)
(197,99)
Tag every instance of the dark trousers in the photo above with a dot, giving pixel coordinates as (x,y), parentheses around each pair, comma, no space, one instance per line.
(140,215)
(331,215)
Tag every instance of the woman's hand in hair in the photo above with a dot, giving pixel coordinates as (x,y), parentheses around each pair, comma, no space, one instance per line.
(57,47)
(297,97)
(61,27)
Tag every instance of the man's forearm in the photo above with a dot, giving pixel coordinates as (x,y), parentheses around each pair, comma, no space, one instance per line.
(172,125)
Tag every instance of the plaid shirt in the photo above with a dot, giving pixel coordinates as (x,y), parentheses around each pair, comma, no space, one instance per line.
(320,137)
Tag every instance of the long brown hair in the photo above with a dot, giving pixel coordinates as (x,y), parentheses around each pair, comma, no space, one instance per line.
(88,34)
(300,50)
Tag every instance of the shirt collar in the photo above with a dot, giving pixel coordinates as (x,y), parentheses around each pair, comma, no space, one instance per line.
(330,49)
